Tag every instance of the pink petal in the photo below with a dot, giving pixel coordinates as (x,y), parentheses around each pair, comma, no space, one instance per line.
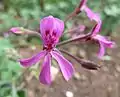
(45,75)
(65,66)
(51,24)
(46,24)
(105,41)
(111,44)
(91,15)
(33,60)
(101,50)
(59,27)
(100,37)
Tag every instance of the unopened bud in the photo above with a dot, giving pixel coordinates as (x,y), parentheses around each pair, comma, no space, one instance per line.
(89,65)
(17,30)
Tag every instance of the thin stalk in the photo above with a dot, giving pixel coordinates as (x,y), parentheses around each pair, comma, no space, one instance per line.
(84,63)
(81,37)
(42,5)
(78,38)
(27,31)
(73,14)
(76,11)
(72,30)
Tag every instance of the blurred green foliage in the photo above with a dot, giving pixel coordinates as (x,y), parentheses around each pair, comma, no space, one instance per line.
(24,13)
(27,14)
(10,69)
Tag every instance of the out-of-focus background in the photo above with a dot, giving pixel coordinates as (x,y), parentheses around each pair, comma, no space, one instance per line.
(16,81)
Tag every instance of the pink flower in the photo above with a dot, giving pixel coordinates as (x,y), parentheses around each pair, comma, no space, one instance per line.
(94,16)
(51,30)
(91,15)
(102,40)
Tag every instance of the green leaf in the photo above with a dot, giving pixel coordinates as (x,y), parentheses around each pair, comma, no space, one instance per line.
(14,66)
(4,44)
(21,93)
(6,75)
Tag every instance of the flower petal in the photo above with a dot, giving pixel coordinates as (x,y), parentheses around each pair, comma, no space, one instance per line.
(52,25)
(65,66)
(45,75)
(103,39)
(59,27)
(103,42)
(101,50)
(33,60)
(91,15)
(46,24)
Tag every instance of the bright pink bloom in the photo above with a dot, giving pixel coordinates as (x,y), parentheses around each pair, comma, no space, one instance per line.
(51,30)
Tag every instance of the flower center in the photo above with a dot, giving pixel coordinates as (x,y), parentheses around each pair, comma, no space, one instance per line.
(50,40)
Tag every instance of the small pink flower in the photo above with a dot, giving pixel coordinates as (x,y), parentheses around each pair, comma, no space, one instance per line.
(91,15)
(51,30)
(102,40)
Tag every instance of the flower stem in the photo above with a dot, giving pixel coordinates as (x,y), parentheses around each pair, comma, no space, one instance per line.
(27,31)
(80,37)
(84,63)
(75,12)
